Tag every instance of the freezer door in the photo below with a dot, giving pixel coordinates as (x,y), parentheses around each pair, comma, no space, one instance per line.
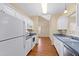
(13,47)
(10,27)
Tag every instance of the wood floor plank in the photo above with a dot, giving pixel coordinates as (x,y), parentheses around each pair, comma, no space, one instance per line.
(44,48)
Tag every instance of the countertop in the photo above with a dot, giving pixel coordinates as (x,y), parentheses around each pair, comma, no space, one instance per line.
(71,43)
(30,35)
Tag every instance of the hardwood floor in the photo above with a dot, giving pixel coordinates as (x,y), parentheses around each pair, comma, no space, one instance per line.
(44,48)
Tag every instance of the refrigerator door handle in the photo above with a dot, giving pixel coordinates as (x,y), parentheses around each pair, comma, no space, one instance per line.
(11,38)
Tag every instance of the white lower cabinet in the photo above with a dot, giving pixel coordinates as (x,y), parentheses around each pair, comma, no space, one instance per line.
(59,46)
(28,45)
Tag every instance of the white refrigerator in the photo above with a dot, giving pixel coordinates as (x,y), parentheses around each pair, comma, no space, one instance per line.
(12,36)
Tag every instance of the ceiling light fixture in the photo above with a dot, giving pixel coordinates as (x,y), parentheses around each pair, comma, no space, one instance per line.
(44,8)
(65,11)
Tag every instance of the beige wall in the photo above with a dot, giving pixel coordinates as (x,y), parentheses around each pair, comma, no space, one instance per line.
(40,22)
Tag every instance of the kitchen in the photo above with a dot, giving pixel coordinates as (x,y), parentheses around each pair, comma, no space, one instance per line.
(24,30)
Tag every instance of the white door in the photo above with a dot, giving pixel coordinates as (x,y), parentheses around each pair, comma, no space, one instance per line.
(13,47)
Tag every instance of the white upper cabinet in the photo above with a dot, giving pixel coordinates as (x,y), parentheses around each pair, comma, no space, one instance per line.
(62,23)
(29,24)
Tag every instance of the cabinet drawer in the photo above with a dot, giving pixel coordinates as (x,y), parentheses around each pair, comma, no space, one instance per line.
(59,46)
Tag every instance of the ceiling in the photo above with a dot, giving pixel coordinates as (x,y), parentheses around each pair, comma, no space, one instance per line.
(35,9)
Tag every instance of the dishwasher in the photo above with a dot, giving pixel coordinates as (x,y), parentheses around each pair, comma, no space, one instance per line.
(68,51)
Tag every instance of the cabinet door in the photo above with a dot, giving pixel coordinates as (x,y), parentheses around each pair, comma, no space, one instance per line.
(28,45)
(56,44)
(59,46)
(13,47)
